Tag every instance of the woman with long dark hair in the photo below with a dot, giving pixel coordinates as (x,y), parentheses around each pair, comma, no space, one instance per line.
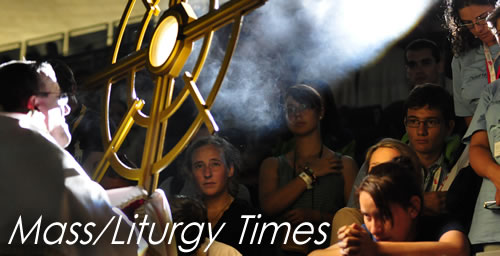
(475,51)
(473,66)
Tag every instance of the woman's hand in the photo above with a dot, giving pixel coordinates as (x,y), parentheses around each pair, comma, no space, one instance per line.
(354,240)
(327,165)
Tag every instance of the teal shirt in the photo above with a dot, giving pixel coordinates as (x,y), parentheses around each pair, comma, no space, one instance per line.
(326,196)
(485,226)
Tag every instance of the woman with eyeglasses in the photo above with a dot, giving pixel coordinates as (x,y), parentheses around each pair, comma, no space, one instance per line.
(483,135)
(475,51)
(473,66)
(310,182)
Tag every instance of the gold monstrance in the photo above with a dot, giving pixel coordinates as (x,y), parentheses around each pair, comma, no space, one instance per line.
(171,44)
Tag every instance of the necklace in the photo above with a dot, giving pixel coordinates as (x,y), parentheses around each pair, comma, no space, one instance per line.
(320,154)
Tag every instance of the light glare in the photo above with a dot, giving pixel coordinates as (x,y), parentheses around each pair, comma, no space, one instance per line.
(163,41)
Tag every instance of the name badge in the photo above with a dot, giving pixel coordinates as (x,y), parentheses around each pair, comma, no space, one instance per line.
(497,149)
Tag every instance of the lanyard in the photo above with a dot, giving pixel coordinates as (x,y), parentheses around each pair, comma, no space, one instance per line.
(436,177)
(441,185)
(437,181)
(490,64)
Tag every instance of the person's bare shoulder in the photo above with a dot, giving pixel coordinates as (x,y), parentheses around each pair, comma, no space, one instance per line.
(349,164)
(270,163)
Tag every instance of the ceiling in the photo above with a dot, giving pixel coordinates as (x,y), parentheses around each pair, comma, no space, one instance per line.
(34,19)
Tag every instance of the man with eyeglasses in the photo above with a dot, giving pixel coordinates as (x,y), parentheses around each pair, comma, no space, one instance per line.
(429,120)
(47,103)
(423,65)
(450,185)
(84,123)
(53,104)
(41,183)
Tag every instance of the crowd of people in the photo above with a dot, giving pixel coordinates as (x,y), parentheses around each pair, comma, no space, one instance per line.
(429,186)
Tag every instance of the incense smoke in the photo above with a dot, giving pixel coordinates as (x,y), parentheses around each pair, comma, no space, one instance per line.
(285,42)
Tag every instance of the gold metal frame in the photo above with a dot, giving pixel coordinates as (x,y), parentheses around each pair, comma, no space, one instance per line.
(163,106)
